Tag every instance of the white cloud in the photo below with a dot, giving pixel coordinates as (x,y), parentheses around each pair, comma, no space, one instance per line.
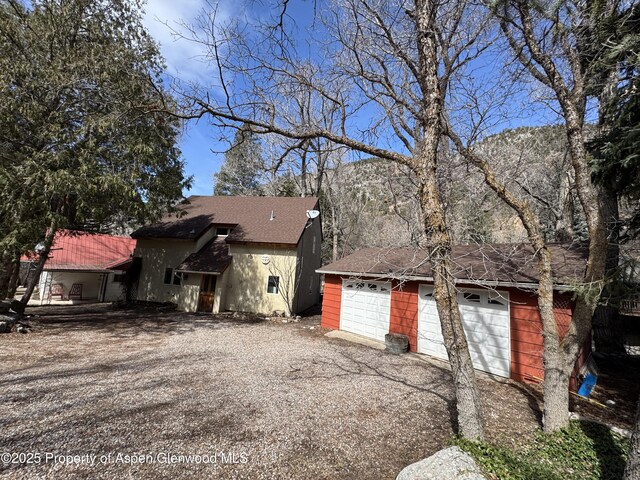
(185,59)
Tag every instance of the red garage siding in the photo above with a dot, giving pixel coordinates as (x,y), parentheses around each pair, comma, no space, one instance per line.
(527,343)
(525,323)
(404,312)
(331,301)
(526,334)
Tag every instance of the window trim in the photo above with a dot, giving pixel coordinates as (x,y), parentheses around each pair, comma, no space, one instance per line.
(171,277)
(276,282)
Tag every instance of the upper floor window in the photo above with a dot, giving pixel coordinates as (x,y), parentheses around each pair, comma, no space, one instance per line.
(222,231)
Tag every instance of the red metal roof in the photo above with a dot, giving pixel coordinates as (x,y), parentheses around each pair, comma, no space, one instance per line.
(74,250)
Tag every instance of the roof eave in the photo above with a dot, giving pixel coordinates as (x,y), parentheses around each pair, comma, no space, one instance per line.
(461,281)
(202,272)
(273,244)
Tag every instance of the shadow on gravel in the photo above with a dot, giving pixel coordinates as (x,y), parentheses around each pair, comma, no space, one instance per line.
(437,382)
(137,389)
(130,321)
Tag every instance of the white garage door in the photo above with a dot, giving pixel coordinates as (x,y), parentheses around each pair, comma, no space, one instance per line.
(366,307)
(485,317)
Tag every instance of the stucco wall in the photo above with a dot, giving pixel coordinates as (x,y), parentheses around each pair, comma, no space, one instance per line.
(222,281)
(246,288)
(243,286)
(114,291)
(159,254)
(310,255)
(188,294)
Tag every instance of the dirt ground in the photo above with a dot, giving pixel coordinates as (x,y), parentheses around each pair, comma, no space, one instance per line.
(152,393)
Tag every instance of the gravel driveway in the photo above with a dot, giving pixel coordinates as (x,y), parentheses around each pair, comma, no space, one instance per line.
(253,399)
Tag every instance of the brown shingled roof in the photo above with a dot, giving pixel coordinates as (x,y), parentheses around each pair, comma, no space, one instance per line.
(506,263)
(212,258)
(250,217)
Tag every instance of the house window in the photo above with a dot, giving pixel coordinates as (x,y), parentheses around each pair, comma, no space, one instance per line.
(171,277)
(274,284)
(222,231)
(119,278)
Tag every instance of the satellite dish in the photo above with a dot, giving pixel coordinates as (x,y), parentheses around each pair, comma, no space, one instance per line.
(265,259)
(312,213)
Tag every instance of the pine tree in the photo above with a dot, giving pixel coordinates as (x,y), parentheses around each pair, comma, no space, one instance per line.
(83,136)
(240,173)
(616,166)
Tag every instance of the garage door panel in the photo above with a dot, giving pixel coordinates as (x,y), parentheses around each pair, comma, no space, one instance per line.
(433,348)
(366,308)
(501,333)
(496,351)
(485,318)
(486,341)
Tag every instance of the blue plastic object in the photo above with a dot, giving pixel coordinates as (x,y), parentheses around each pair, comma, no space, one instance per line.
(590,380)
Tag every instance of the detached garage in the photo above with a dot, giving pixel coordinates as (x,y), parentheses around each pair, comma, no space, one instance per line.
(496,293)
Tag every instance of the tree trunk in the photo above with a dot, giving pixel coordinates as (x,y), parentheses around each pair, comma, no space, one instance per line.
(556,375)
(608,333)
(468,401)
(556,389)
(334,233)
(564,224)
(303,173)
(438,241)
(632,470)
(5,274)
(15,277)
(44,255)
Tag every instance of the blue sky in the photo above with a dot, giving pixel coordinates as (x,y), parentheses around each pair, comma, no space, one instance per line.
(184,62)
(200,143)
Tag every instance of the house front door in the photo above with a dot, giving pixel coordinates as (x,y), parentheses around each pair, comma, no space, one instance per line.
(207,293)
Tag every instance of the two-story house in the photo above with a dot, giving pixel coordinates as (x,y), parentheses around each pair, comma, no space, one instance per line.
(254,254)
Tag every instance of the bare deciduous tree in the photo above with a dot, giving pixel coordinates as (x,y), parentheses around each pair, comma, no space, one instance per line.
(393,62)
(542,38)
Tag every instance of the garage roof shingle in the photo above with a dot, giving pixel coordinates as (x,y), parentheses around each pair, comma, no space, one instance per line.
(505,263)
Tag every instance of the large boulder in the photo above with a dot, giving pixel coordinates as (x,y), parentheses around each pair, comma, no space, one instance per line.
(448,464)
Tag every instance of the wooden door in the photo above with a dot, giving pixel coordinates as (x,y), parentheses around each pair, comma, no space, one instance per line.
(207,293)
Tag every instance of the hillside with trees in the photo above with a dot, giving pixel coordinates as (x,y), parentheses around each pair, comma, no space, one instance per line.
(372,202)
